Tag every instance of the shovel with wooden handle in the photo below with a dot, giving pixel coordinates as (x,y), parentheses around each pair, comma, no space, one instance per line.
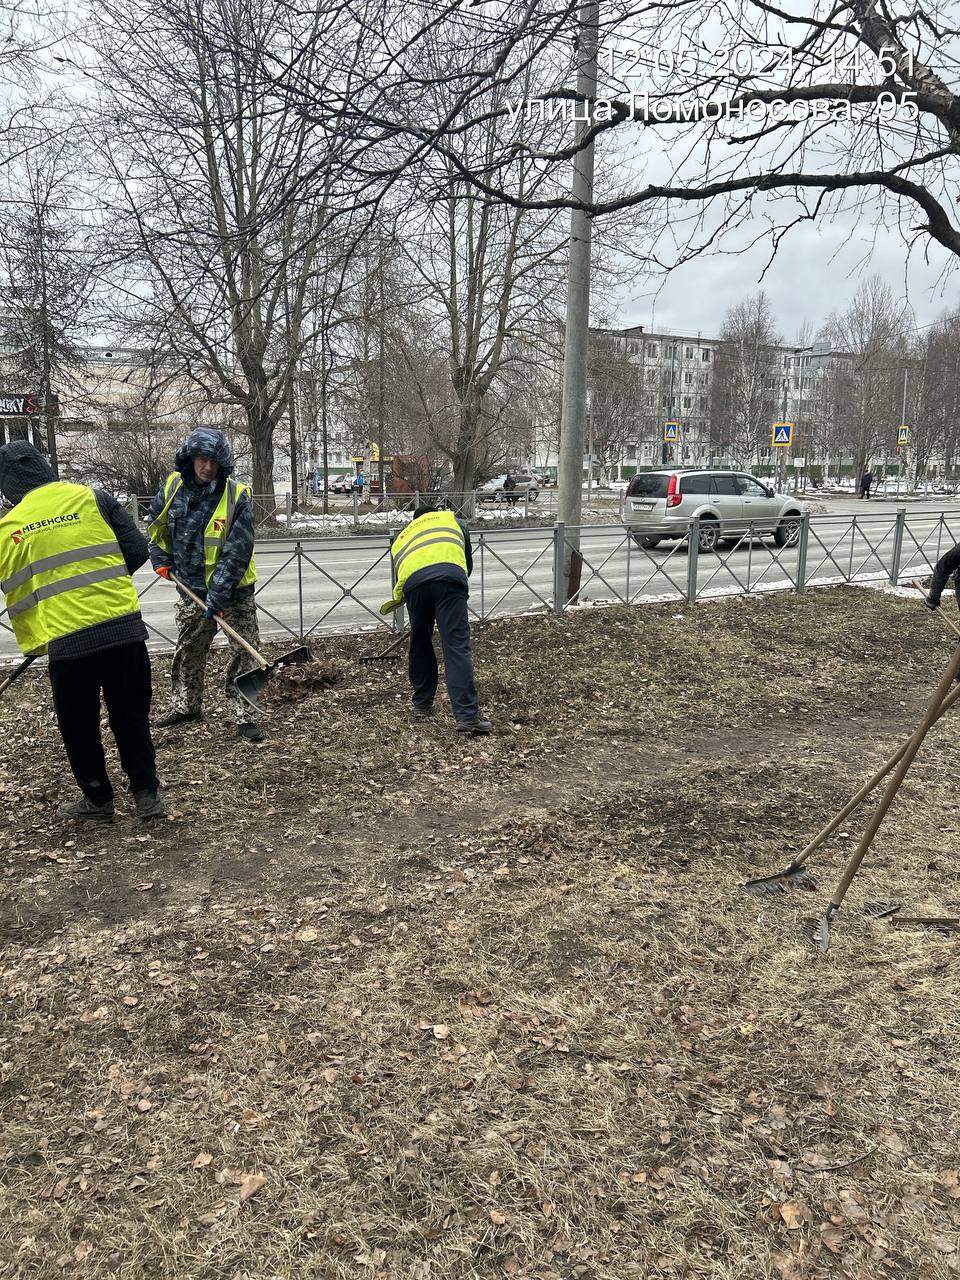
(249,683)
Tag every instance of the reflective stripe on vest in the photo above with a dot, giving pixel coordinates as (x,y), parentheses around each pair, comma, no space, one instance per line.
(61,567)
(213,537)
(67,584)
(53,562)
(431,539)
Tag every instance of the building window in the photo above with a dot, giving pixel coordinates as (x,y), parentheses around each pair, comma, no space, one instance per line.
(688,378)
(706,357)
(651,348)
(665,402)
(689,353)
(703,404)
(687,401)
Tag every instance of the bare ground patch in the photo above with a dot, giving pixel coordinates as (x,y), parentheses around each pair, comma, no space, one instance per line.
(381,1003)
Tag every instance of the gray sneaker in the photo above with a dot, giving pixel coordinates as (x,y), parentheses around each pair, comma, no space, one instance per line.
(474,726)
(149,805)
(85,810)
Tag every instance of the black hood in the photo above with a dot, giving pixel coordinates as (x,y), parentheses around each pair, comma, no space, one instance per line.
(208,443)
(22,468)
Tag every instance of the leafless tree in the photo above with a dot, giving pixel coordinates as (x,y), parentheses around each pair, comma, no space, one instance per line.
(872,340)
(747,380)
(199,146)
(50,253)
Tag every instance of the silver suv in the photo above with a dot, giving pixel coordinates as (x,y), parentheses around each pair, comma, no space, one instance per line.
(523,484)
(661,504)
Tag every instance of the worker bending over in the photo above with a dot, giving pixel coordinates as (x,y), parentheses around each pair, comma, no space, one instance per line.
(432,560)
(66,556)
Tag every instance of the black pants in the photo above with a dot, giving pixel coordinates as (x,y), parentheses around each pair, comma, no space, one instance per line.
(446,604)
(123,674)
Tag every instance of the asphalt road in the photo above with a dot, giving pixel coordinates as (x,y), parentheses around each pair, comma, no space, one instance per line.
(338,583)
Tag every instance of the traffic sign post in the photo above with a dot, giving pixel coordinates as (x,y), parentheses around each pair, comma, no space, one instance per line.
(671,432)
(903,435)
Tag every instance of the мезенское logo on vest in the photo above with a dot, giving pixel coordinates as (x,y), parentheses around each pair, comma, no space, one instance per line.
(18,535)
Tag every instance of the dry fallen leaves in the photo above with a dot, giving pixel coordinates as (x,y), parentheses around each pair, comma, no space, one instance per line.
(202,1160)
(793,1214)
(250,1184)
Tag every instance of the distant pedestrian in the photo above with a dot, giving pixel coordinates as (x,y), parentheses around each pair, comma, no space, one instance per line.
(359,482)
(866,480)
(432,558)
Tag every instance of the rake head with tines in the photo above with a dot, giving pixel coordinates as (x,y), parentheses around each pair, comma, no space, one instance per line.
(792,877)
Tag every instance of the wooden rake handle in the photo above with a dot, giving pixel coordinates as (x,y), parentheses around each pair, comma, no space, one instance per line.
(947,622)
(234,635)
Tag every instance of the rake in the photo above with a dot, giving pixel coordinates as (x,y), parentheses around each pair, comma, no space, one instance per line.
(390,653)
(821,934)
(795,875)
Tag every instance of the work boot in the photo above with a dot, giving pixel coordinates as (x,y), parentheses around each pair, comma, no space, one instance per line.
(177,717)
(250,732)
(149,805)
(85,810)
(422,711)
(474,726)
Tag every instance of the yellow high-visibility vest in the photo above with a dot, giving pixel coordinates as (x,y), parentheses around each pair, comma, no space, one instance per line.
(218,526)
(61,568)
(433,538)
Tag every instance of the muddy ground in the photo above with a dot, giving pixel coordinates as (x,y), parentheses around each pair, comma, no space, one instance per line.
(378,1002)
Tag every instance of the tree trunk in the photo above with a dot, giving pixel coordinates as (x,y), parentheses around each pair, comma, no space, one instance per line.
(465,455)
(260,428)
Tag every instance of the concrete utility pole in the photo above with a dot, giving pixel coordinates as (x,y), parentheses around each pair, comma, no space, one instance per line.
(576,336)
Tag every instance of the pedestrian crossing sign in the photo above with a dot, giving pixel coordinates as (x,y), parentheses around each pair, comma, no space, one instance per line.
(903,435)
(782,434)
(671,432)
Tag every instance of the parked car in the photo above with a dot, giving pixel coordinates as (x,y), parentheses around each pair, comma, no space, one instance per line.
(661,504)
(342,484)
(524,484)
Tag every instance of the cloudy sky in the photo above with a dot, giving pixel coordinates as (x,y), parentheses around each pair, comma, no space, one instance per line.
(816,272)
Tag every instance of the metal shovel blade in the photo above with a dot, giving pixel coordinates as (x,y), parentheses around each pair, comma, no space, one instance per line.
(249,683)
(821,933)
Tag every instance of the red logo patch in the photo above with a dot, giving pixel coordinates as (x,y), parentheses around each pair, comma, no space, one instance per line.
(17,536)
(218,526)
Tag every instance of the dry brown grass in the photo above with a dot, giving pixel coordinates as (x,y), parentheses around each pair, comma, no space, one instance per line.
(498,1008)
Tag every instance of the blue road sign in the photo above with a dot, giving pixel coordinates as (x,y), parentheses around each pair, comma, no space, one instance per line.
(781,435)
(671,432)
(903,435)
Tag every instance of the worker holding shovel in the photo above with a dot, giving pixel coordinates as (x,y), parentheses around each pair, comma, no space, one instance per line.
(201,535)
(66,556)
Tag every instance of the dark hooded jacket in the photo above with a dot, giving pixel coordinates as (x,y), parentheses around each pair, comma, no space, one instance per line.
(190,513)
(946,567)
(22,469)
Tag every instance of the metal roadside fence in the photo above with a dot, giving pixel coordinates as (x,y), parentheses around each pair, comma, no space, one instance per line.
(311,586)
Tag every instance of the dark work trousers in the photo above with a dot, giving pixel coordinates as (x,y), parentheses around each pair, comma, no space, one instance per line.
(123,674)
(445,603)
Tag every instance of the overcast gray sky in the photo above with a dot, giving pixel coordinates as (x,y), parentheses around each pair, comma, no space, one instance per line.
(816,271)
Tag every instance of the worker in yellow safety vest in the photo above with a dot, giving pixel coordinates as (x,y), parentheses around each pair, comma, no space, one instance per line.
(202,531)
(66,556)
(432,560)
